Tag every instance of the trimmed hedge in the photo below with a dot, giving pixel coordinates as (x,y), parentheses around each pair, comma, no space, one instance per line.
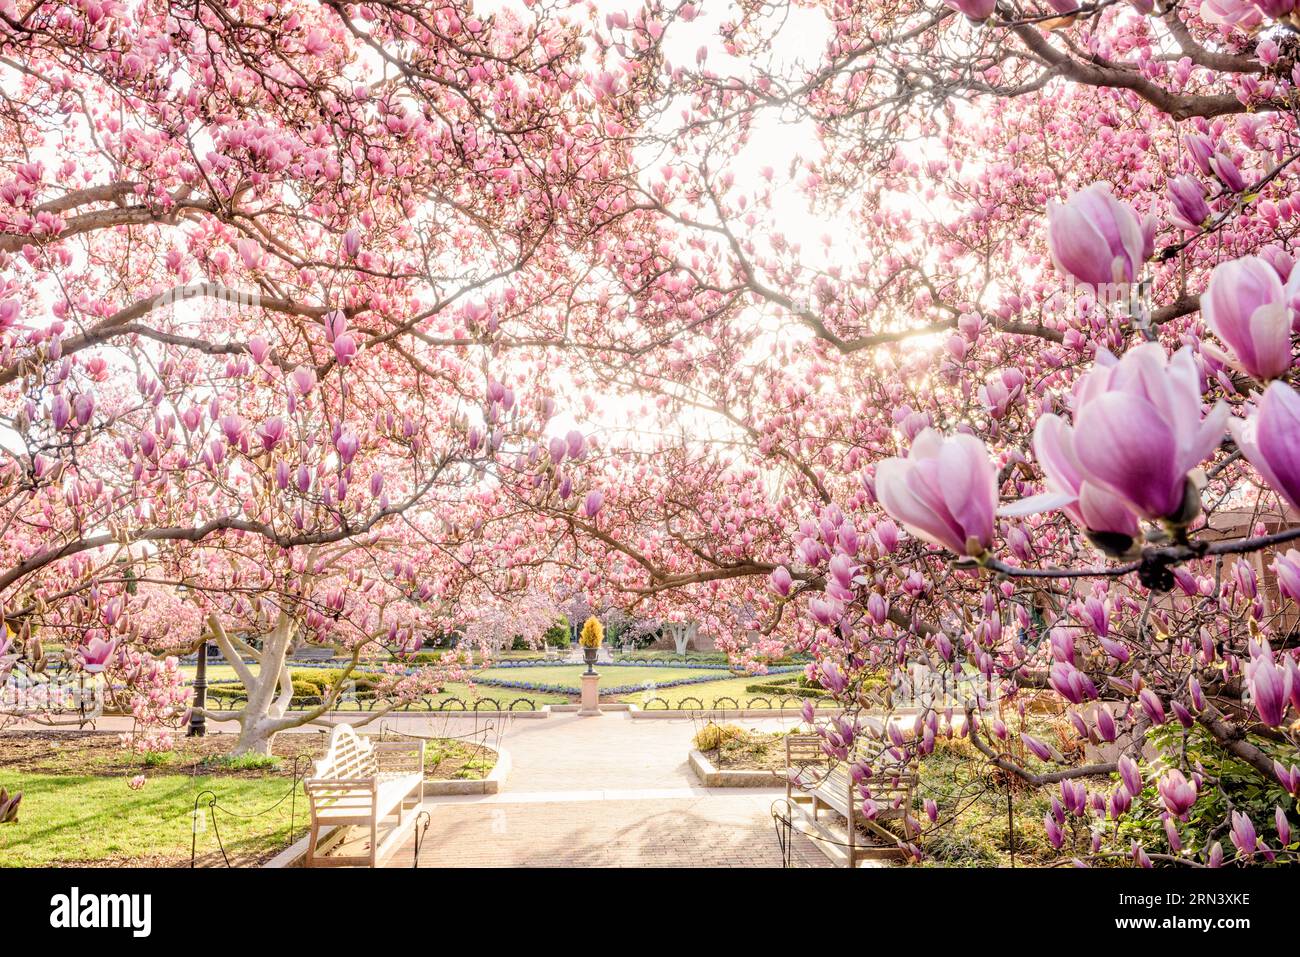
(310,686)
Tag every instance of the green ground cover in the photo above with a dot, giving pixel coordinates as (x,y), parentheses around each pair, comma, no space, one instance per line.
(82,819)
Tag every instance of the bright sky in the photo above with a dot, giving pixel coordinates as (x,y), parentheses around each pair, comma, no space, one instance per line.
(775,144)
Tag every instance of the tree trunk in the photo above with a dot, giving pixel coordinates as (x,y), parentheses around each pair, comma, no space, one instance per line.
(263,712)
(255,737)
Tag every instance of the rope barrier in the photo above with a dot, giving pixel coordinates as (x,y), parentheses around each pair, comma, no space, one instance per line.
(214,806)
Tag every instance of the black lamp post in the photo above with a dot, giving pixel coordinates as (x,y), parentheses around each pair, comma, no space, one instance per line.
(198,719)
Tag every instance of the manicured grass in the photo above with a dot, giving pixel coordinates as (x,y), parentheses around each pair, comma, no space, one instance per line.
(215,673)
(502,696)
(711,691)
(70,816)
(570,675)
(66,819)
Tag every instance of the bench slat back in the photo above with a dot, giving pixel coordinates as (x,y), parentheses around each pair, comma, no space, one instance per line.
(804,749)
(348,756)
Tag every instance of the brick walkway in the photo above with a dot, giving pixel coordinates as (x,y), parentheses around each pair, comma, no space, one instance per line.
(708,831)
(605,791)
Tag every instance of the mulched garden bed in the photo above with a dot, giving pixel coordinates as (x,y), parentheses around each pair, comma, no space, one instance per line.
(735,749)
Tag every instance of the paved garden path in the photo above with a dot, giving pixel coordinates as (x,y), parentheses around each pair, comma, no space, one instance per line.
(604,791)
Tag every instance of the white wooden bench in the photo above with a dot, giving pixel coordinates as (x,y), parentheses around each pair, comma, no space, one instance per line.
(347,788)
(814,782)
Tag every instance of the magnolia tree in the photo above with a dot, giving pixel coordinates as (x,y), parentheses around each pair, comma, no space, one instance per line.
(277,286)
(1022,416)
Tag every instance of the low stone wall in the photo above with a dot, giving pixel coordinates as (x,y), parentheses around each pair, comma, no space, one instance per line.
(713,777)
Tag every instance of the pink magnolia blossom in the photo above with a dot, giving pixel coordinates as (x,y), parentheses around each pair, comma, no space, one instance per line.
(975,9)
(1242,14)
(1097,238)
(1275,9)
(575,444)
(1088,504)
(1177,792)
(249,252)
(1139,428)
(347,445)
(1130,775)
(944,492)
(336,324)
(1244,837)
(1071,683)
(271,432)
(352,243)
(1270,440)
(1248,308)
(60,411)
(1270,688)
(1187,202)
(781,581)
(259,349)
(95,655)
(304,379)
(1228,172)
(345,349)
(232,426)
(1037,747)
(1287,569)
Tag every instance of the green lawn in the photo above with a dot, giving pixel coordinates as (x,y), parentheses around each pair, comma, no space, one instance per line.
(569,675)
(711,691)
(502,696)
(215,672)
(66,819)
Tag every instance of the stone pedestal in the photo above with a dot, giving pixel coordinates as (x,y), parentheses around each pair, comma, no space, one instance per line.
(590,694)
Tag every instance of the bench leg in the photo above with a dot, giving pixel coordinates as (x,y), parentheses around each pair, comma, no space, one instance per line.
(852,830)
(374,837)
(311,843)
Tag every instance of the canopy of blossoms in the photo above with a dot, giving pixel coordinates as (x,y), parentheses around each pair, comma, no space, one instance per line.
(955,336)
